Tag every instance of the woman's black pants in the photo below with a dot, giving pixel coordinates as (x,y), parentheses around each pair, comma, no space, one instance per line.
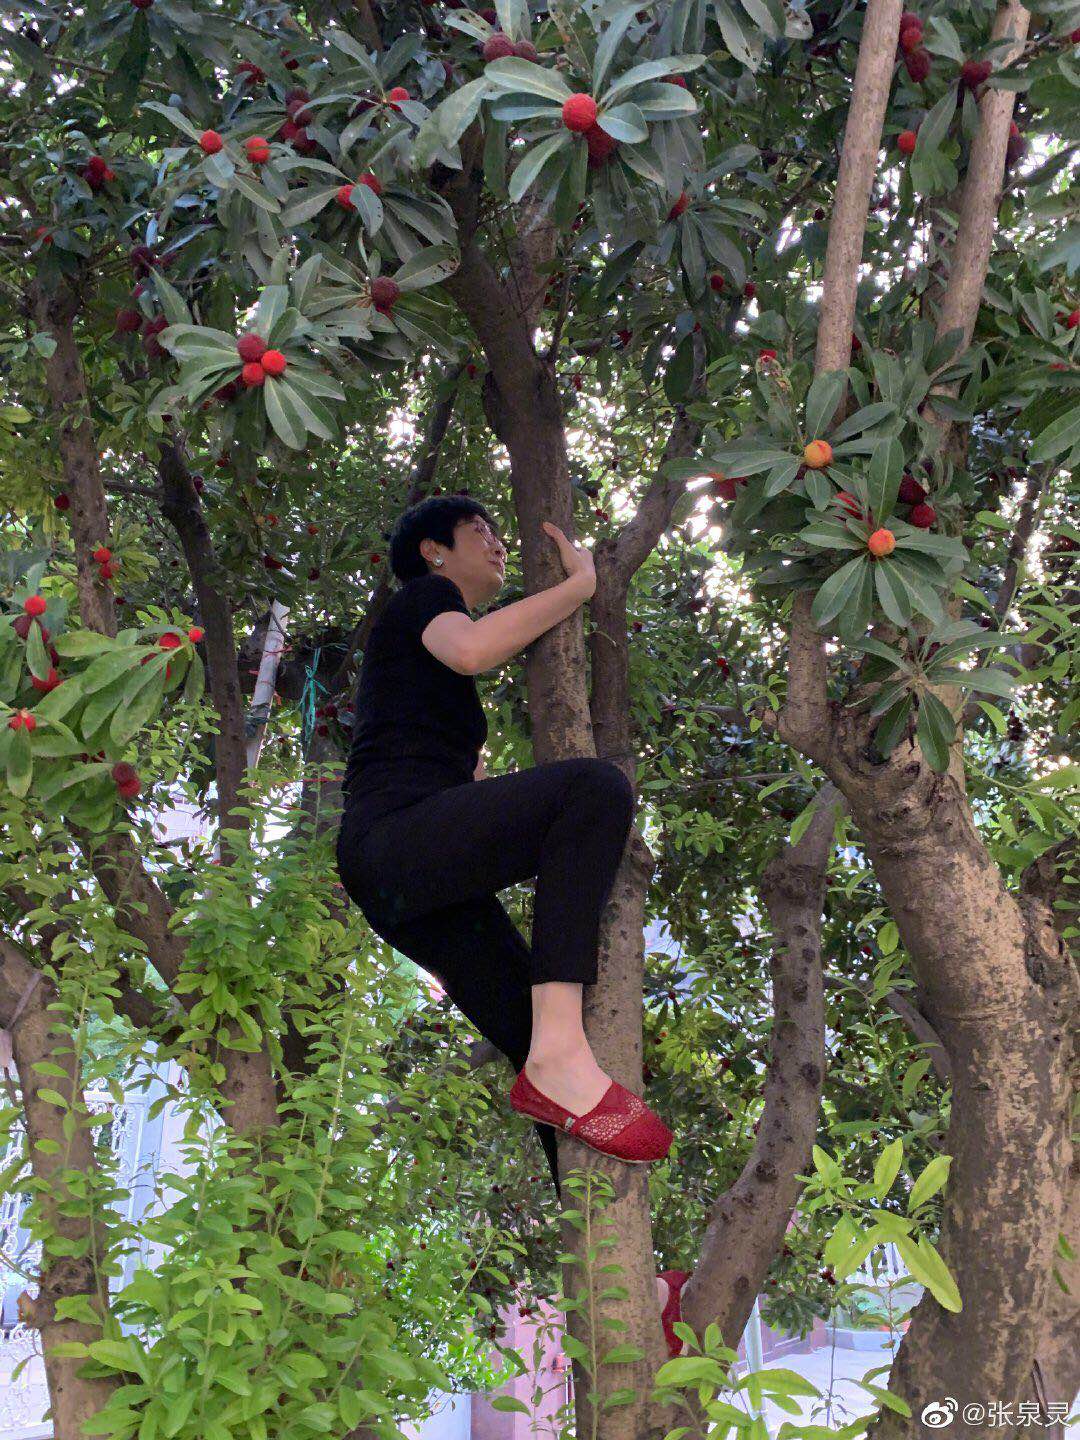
(426,877)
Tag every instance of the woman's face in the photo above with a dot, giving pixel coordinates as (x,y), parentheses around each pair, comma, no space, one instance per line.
(478,559)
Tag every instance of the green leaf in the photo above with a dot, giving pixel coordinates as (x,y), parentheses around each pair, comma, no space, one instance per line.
(892,725)
(509,1402)
(936,731)
(821,402)
(609,43)
(863,419)
(680,372)
(624,122)
(935,127)
(838,590)
(888,1167)
(286,424)
(514,74)
(529,167)
(929,1182)
(1057,438)
(893,596)
(883,478)
(780,476)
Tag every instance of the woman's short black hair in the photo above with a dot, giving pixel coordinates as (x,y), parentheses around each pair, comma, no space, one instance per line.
(431,519)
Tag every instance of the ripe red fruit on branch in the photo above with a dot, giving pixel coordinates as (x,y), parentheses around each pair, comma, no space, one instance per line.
(253,374)
(679,80)
(273,362)
(1072,320)
(211,142)
(373,183)
(102,553)
(127,321)
(257,149)
(49,683)
(918,65)
(974,73)
(881,542)
(905,141)
(169,641)
(716,281)
(108,570)
(498,46)
(579,112)
(680,205)
(396,95)
(22,624)
(818,454)
(97,172)
(526,50)
(35,605)
(344,197)
(911,38)
(766,354)
(384,293)
(911,492)
(252,73)
(601,146)
(127,779)
(251,346)
(23,719)
(195,634)
(922,516)
(749,290)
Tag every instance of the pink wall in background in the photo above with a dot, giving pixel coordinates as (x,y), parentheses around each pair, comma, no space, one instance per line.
(523,1333)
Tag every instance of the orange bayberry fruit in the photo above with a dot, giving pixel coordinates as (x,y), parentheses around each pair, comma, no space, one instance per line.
(818,454)
(273,362)
(211,142)
(579,112)
(881,542)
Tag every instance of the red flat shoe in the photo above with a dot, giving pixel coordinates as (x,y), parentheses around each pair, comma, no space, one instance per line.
(620,1124)
(675,1280)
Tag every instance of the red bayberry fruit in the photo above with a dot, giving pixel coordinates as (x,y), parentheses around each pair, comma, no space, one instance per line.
(35,605)
(749,290)
(1072,320)
(498,46)
(922,516)
(344,197)
(252,74)
(274,362)
(881,542)
(905,141)
(909,19)
(195,634)
(22,719)
(600,144)
(102,553)
(108,570)
(396,95)
(911,492)
(974,73)
(22,624)
(62,501)
(384,293)
(918,65)
(257,149)
(766,354)
(49,683)
(126,778)
(251,346)
(169,641)
(579,112)
(211,142)
(911,38)
(127,321)
(526,50)
(716,280)
(253,374)
(680,205)
(373,183)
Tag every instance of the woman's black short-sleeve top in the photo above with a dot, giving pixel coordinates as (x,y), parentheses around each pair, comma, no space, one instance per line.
(411,710)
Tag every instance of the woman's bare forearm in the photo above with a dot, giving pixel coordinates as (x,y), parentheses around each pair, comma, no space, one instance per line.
(505,631)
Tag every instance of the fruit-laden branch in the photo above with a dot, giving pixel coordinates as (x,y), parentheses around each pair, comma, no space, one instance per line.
(805,722)
(181,507)
(40,1036)
(747,1224)
(617,561)
(912,1017)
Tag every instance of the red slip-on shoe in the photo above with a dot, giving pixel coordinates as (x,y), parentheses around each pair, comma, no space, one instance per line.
(620,1124)
(675,1280)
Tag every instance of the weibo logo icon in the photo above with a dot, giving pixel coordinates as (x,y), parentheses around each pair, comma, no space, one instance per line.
(938,1414)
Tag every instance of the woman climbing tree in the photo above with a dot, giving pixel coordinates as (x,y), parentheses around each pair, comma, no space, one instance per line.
(423,848)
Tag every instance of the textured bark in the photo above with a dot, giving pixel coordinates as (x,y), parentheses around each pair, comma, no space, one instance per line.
(747,1225)
(38,1035)
(182,508)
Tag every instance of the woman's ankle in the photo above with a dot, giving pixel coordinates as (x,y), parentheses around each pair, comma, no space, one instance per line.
(559,1050)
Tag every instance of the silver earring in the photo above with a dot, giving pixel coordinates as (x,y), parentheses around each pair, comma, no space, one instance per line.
(438,559)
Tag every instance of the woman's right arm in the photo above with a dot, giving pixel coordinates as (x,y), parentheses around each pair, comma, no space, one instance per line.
(471,646)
